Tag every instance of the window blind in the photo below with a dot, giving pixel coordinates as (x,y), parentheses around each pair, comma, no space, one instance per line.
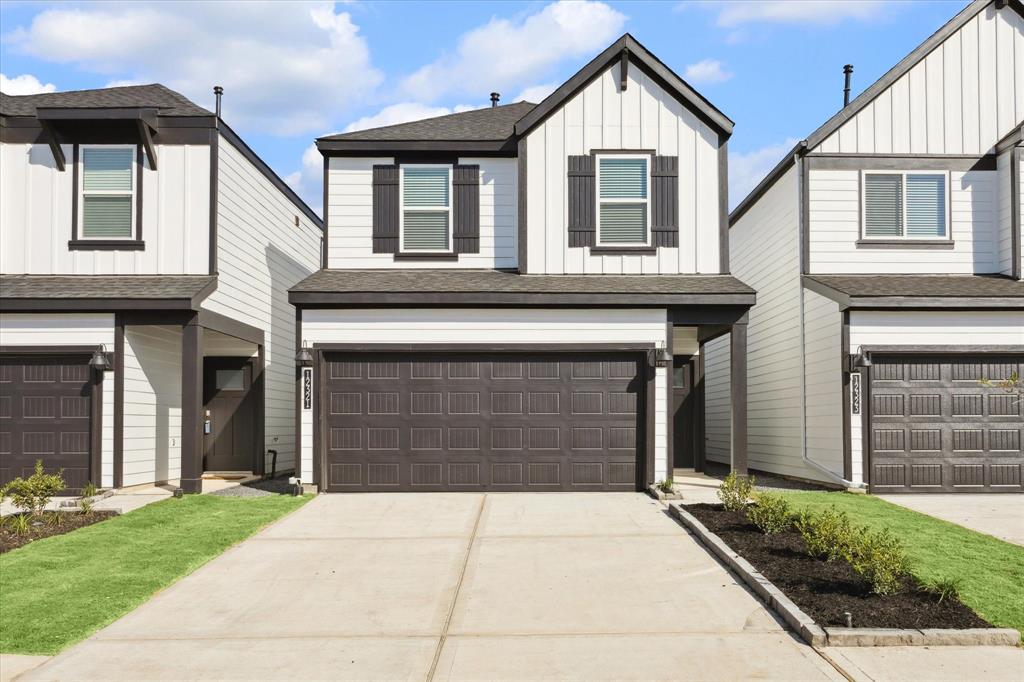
(107,192)
(622,188)
(883,205)
(623,223)
(623,178)
(425,187)
(926,205)
(425,231)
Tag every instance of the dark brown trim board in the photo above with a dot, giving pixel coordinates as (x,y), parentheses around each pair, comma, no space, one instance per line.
(106,245)
(522,206)
(1015,218)
(849,301)
(231,327)
(422,256)
(738,394)
(649,427)
(484,347)
(700,423)
(498,148)
(118,400)
(259,385)
(623,250)
(844,355)
(865,425)
(945,350)
(48,350)
(312,299)
(96,429)
(938,162)
(214,199)
(319,438)
(723,204)
(297,430)
(325,244)
(74,192)
(919,244)
(192,406)
(139,167)
(669,399)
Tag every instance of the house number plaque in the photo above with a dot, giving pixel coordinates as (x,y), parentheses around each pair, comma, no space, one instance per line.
(307,388)
(855,393)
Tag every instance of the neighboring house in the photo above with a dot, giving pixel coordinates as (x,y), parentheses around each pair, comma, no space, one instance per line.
(886,252)
(145,258)
(515,298)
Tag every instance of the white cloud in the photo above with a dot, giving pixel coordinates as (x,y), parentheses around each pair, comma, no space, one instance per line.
(535,93)
(505,55)
(706,71)
(287,68)
(25,84)
(307,181)
(746,170)
(818,12)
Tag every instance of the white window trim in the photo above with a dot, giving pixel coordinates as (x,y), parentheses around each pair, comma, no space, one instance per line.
(402,208)
(946,236)
(113,193)
(598,200)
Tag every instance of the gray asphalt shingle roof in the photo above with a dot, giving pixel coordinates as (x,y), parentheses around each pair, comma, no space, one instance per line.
(498,282)
(490,123)
(166,101)
(931,286)
(102,286)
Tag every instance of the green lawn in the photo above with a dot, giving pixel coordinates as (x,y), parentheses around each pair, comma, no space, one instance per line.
(59,590)
(991,571)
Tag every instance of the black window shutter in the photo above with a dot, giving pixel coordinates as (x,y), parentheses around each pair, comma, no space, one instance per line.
(582,188)
(466,208)
(665,201)
(386,205)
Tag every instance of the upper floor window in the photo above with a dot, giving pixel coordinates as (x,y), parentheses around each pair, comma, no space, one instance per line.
(108,192)
(426,215)
(623,200)
(904,205)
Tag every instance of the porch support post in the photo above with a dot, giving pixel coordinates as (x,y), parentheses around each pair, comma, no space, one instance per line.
(738,392)
(192,406)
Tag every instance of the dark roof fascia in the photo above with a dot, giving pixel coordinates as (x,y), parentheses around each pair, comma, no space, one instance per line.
(148,115)
(515,299)
(330,147)
(898,71)
(1012,139)
(799,149)
(639,55)
(850,301)
(169,129)
(238,143)
(65,304)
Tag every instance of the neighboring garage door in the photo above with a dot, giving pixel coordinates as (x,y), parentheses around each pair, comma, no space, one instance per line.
(45,413)
(936,428)
(483,422)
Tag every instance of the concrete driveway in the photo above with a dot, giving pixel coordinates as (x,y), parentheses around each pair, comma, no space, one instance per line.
(461,586)
(1001,515)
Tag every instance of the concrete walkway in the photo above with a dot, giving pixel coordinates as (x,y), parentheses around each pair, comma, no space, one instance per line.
(459,586)
(479,587)
(1000,515)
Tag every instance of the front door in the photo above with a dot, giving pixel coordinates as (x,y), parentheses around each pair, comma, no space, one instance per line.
(682,411)
(229,413)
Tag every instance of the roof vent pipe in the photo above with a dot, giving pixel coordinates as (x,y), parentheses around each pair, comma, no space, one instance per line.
(495,96)
(218,91)
(847,72)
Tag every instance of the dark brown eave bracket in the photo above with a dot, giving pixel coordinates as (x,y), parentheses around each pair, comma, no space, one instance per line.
(511,300)
(848,301)
(624,69)
(145,119)
(146,136)
(51,140)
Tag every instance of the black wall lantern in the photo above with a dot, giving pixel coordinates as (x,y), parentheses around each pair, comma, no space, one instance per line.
(862,360)
(659,357)
(99,361)
(304,358)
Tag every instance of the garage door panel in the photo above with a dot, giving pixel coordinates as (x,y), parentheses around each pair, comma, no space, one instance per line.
(936,428)
(478,422)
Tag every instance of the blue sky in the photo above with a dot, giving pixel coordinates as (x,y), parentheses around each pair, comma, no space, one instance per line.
(295,70)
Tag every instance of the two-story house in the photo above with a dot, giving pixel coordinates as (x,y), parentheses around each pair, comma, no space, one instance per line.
(886,252)
(516,297)
(145,258)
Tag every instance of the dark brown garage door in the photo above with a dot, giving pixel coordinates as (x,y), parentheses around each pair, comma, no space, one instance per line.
(936,428)
(46,413)
(483,422)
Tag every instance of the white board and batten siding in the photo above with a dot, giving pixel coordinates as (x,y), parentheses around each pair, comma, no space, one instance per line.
(835,227)
(601,116)
(960,99)
(36,215)
(261,253)
(764,253)
(71,329)
(350,216)
(511,326)
(152,404)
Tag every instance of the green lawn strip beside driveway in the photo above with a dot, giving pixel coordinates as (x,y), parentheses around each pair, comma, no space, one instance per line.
(991,572)
(59,590)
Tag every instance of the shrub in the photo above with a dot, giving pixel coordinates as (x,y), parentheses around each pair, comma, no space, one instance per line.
(735,491)
(89,490)
(19,524)
(827,534)
(771,513)
(945,588)
(53,519)
(664,486)
(85,506)
(32,494)
(878,557)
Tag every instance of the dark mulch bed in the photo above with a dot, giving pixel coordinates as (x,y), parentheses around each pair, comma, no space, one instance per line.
(41,529)
(824,590)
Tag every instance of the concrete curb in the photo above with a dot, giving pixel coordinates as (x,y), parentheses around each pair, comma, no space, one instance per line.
(657,494)
(814,634)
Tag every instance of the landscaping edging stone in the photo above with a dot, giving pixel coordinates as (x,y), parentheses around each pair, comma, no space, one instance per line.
(659,494)
(814,634)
